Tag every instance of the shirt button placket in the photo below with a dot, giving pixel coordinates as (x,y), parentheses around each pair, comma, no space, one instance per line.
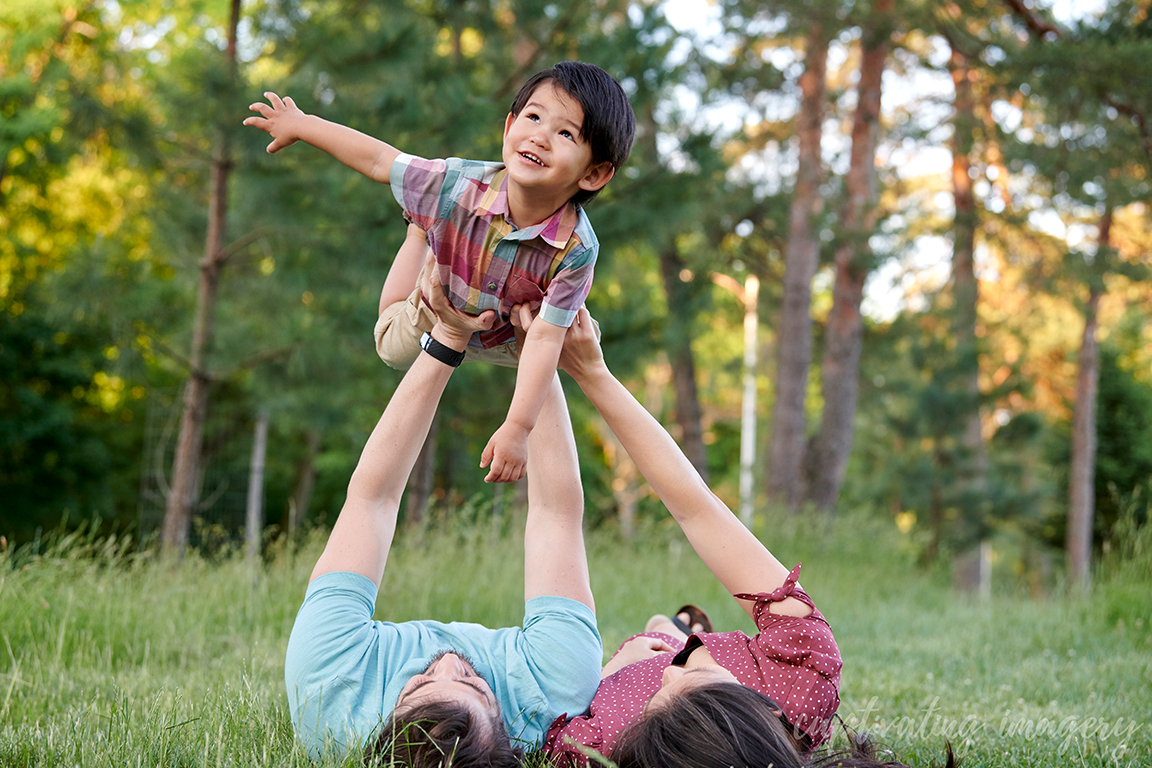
(500,270)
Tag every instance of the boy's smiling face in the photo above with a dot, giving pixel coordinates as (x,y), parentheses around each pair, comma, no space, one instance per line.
(544,151)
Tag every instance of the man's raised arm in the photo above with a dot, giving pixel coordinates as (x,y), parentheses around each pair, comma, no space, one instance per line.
(362,536)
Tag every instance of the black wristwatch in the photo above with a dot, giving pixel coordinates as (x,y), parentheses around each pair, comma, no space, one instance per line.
(444,354)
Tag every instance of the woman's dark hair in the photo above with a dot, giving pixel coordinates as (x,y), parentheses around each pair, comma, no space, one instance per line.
(862,752)
(712,726)
(442,734)
(609,124)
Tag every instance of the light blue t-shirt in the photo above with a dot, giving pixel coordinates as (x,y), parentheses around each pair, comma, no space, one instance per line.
(344,671)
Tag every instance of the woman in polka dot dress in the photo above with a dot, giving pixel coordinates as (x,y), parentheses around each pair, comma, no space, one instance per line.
(666,699)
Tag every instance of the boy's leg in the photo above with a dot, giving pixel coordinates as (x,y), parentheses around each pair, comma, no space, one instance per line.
(405,269)
(399,328)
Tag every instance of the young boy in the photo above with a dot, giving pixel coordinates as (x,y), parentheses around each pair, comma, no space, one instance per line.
(503,234)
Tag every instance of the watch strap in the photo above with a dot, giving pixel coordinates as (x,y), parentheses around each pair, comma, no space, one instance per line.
(444,354)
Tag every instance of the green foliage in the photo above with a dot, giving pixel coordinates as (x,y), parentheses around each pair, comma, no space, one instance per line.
(64,451)
(913,404)
(110,113)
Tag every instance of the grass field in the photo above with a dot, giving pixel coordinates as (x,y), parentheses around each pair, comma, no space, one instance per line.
(110,659)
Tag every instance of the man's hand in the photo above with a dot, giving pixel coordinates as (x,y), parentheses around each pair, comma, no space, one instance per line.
(507,452)
(453,327)
(636,649)
(281,120)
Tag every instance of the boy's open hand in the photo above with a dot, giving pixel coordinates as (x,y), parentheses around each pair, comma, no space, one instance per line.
(280,120)
(507,452)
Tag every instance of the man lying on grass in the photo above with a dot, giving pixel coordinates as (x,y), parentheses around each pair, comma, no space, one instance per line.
(421,690)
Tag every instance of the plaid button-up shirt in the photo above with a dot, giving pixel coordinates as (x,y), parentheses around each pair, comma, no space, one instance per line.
(485,261)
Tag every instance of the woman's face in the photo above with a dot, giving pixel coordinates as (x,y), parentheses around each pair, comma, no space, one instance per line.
(677,680)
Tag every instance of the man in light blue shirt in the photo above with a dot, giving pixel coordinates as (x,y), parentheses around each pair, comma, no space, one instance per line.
(428,689)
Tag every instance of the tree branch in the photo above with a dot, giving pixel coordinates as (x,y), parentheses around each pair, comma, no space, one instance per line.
(1141,122)
(1041,29)
(259,359)
(1035,24)
(520,73)
(240,244)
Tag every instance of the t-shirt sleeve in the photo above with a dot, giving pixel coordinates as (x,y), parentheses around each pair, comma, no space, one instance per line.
(418,184)
(331,669)
(569,288)
(562,647)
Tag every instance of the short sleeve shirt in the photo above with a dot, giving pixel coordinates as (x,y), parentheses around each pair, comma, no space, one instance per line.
(794,661)
(344,671)
(485,261)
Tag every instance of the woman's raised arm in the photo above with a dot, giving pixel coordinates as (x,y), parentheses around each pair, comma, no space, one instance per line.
(733,554)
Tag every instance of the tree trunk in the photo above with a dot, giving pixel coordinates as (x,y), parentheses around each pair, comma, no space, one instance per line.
(845,332)
(748,295)
(964,285)
(625,479)
(185,467)
(1081,485)
(305,482)
(936,502)
(965,290)
(678,343)
(254,519)
(751,296)
(420,481)
(681,313)
(794,346)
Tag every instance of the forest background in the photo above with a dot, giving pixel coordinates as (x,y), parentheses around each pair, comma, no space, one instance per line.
(943,206)
(881,267)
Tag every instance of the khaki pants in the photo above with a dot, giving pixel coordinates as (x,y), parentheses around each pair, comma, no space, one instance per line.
(400,326)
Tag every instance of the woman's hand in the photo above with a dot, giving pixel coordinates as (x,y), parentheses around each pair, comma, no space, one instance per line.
(582,356)
(636,649)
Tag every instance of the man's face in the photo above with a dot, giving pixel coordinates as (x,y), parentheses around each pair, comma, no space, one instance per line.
(543,147)
(450,677)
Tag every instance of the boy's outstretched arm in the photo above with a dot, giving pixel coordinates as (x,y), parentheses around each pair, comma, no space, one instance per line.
(287,124)
(507,449)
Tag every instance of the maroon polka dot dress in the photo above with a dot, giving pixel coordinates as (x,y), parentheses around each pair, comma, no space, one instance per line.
(794,661)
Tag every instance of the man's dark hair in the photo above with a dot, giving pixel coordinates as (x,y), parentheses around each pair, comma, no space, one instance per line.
(442,734)
(713,726)
(609,124)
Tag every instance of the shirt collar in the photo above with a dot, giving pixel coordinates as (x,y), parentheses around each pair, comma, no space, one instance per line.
(556,230)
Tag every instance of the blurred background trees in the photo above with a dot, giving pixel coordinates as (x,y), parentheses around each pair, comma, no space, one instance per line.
(945,204)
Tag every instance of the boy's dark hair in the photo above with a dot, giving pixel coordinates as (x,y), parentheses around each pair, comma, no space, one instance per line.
(442,734)
(713,726)
(609,124)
